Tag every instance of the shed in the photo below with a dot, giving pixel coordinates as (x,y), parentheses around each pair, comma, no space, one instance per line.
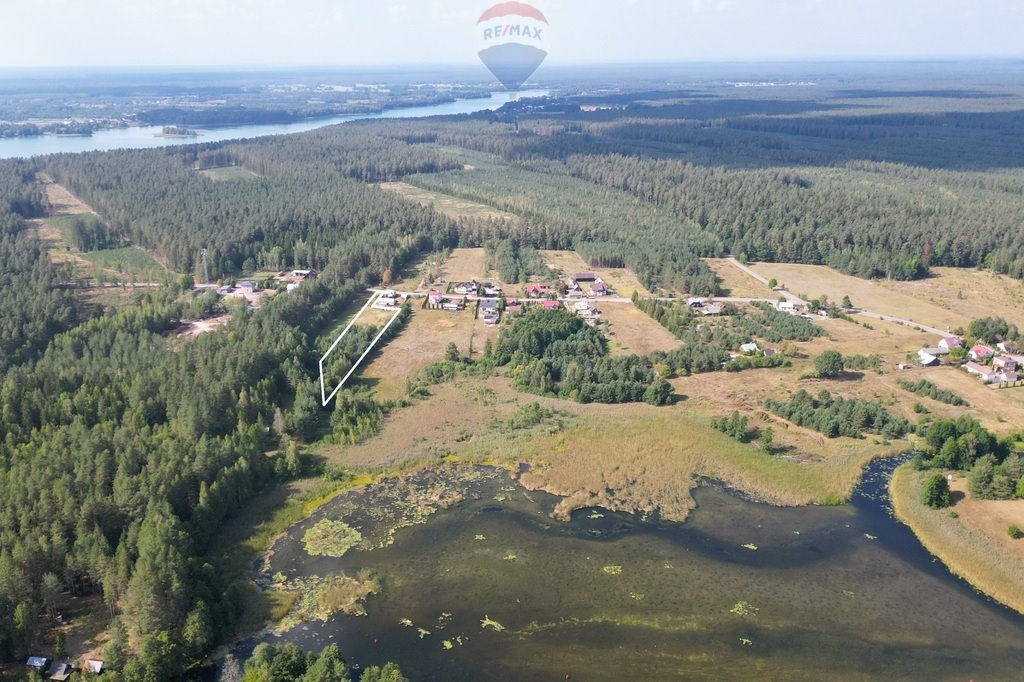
(60,671)
(37,662)
(585,277)
(94,665)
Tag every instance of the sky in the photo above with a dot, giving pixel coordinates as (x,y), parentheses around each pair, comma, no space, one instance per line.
(388,32)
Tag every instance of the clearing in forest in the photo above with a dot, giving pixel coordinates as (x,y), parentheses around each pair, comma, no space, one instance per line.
(453,207)
(632,331)
(888,298)
(735,282)
(225,173)
(464,265)
(423,341)
(622,281)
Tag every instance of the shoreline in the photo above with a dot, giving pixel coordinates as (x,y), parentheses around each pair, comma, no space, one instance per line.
(972,556)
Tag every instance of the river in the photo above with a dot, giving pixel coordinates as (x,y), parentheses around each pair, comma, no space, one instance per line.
(146,137)
(741,591)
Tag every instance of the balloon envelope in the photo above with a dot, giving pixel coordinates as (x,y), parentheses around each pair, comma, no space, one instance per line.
(513,39)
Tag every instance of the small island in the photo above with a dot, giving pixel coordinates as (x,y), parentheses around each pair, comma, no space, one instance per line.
(178,131)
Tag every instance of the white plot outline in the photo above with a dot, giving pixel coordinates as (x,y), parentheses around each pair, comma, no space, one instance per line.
(325,399)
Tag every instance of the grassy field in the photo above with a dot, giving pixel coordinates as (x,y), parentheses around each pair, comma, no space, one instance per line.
(130,261)
(226,173)
(735,282)
(622,281)
(949,299)
(974,545)
(450,206)
(421,343)
(463,265)
(630,330)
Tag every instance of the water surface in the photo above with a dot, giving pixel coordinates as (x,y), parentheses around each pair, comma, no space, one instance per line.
(147,137)
(828,593)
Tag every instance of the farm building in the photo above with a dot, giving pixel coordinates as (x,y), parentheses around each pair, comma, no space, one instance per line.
(1005,363)
(584,277)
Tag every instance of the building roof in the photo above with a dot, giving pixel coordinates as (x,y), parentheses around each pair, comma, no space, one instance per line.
(94,665)
(599,286)
(1009,377)
(584,277)
(552,305)
(952,341)
(936,351)
(978,369)
(982,350)
(37,662)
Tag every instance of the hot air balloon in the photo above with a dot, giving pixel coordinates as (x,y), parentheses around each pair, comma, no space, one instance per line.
(513,39)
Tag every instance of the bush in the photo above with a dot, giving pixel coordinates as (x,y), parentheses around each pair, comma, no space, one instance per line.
(1015,532)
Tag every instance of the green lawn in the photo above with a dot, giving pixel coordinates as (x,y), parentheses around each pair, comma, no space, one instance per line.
(128,260)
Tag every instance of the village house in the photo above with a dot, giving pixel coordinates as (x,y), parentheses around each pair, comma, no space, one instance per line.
(552,305)
(489,311)
(951,342)
(248,287)
(537,290)
(926,358)
(490,289)
(388,299)
(225,290)
(450,305)
(986,373)
(466,288)
(990,375)
(434,299)
(512,304)
(787,307)
(599,288)
(696,302)
(1004,363)
(981,352)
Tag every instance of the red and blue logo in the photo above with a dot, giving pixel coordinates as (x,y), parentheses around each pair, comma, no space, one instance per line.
(513,39)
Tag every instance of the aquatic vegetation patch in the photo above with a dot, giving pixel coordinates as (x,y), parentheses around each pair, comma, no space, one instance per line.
(423,632)
(330,538)
(743,608)
(751,546)
(480,538)
(447,645)
(405,623)
(612,570)
(487,622)
(320,598)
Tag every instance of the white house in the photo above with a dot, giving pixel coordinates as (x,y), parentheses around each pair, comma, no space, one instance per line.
(749,347)
(926,358)
(950,342)
(787,307)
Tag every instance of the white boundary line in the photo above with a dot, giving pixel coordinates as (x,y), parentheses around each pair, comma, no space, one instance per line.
(325,399)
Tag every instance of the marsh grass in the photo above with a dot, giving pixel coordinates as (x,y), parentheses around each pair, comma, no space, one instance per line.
(973,556)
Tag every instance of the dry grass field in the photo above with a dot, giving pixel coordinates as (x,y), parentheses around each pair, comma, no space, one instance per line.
(950,298)
(630,330)
(970,293)
(422,342)
(975,544)
(735,282)
(622,281)
(445,204)
(465,265)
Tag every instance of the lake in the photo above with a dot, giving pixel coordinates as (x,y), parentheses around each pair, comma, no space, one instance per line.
(741,591)
(146,137)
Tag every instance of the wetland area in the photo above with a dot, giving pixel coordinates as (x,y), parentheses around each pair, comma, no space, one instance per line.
(478,582)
